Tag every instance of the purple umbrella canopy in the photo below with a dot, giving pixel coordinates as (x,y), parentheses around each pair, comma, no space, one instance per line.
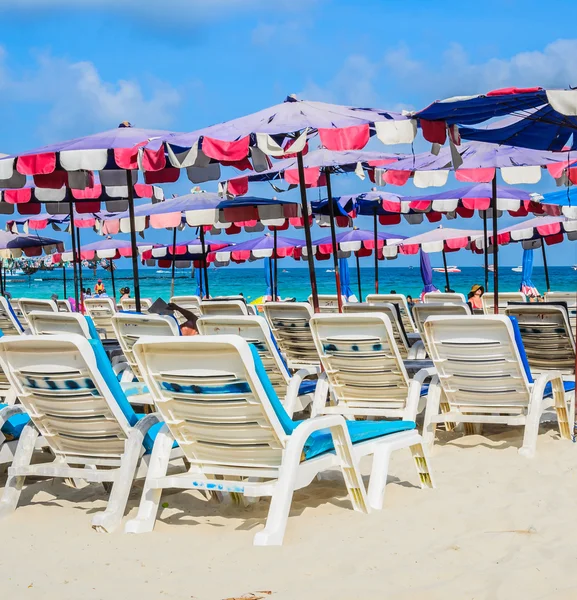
(442,239)
(43,220)
(426,274)
(262,247)
(206,208)
(14,245)
(359,241)
(109,248)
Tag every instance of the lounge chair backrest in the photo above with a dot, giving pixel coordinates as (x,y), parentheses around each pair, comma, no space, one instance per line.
(255,331)
(504,298)
(401,301)
(547,336)
(27,305)
(289,323)
(360,357)
(45,323)
(421,312)
(129,304)
(224,307)
(63,306)
(479,364)
(9,322)
(328,303)
(68,388)
(391,311)
(444,298)
(130,327)
(569,298)
(101,310)
(215,398)
(191,303)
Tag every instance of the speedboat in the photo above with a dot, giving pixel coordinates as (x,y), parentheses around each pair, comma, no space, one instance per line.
(517,269)
(449,269)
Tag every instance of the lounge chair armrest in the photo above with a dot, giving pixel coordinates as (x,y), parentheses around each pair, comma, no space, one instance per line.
(293,387)
(423,374)
(320,399)
(10,411)
(311,368)
(417,351)
(144,424)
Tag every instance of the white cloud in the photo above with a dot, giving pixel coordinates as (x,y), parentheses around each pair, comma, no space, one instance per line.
(72,97)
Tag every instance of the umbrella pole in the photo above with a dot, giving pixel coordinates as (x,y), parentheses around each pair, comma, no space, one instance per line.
(270,275)
(307,226)
(275,280)
(64,278)
(133,245)
(173,266)
(80,271)
(334,240)
(112,278)
(495,247)
(486,255)
(545,264)
(446,272)
(376,239)
(74,256)
(359,278)
(2,277)
(206,292)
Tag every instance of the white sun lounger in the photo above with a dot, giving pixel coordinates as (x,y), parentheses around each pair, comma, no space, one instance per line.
(238,438)
(289,323)
(363,368)
(488,300)
(570,299)
(67,386)
(401,301)
(63,306)
(129,304)
(421,312)
(100,310)
(295,392)
(484,377)
(27,305)
(223,307)
(444,298)
(328,303)
(191,303)
(9,325)
(547,337)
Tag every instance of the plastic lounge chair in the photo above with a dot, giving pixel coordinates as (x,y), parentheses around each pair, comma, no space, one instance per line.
(484,377)
(363,368)
(421,312)
(403,344)
(238,438)
(570,299)
(9,322)
(401,301)
(487,300)
(27,305)
(223,307)
(100,310)
(328,303)
(67,386)
(191,303)
(444,298)
(129,304)
(547,337)
(289,323)
(63,306)
(295,392)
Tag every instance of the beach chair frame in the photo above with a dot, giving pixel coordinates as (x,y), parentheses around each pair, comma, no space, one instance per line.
(401,301)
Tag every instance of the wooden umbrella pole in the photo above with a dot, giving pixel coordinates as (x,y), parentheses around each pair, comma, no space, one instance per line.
(307,227)
(545,264)
(2,277)
(81,284)
(376,240)
(64,279)
(173,265)
(74,256)
(359,277)
(275,280)
(112,278)
(495,247)
(486,253)
(133,244)
(205,264)
(334,240)
(448,284)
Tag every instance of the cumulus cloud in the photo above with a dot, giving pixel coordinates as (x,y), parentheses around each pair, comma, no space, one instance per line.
(73,98)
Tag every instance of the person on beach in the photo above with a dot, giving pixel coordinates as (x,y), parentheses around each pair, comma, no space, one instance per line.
(87,292)
(474,296)
(99,288)
(124,293)
(189,327)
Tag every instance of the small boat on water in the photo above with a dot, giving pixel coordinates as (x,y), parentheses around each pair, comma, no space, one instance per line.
(575,267)
(517,269)
(450,269)
(330,271)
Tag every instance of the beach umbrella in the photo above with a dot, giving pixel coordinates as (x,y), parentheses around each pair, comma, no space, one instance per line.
(182,255)
(562,202)
(200,291)
(115,154)
(527,286)
(426,274)
(279,131)
(346,290)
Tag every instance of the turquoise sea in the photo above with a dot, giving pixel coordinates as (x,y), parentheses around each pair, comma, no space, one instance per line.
(292,282)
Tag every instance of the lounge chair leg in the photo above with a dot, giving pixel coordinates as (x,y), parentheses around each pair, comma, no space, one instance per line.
(158,466)
(422,463)
(22,458)
(531,428)
(109,520)
(378,481)
(565,418)
(432,410)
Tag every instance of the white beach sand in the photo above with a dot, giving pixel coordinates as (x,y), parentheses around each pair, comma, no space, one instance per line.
(498,526)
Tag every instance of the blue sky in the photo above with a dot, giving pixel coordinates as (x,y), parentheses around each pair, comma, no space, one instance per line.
(69,68)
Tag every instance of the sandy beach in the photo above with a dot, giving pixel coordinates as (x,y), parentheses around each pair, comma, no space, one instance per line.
(498,526)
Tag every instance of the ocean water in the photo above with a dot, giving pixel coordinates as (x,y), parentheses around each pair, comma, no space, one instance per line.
(292,282)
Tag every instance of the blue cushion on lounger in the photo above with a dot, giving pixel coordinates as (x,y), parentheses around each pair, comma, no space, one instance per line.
(307,386)
(568,385)
(321,441)
(15,424)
